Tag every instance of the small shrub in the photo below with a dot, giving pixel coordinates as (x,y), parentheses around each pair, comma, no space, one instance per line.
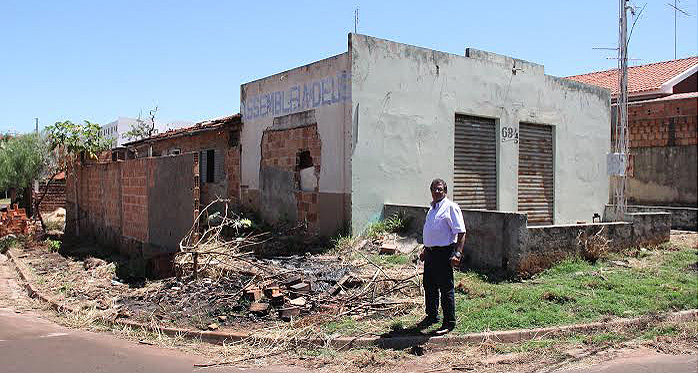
(7,242)
(53,245)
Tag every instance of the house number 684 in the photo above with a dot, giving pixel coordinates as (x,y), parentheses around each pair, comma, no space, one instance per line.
(509,134)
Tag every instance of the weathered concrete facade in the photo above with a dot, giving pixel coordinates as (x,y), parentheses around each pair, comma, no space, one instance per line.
(295,158)
(404,103)
(385,116)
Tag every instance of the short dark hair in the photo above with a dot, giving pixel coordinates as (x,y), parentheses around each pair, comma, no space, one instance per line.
(439,181)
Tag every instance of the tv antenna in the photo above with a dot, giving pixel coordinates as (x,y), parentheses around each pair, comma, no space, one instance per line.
(357,17)
(676,9)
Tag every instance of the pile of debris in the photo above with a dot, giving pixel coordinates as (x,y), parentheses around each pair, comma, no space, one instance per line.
(225,271)
(15,221)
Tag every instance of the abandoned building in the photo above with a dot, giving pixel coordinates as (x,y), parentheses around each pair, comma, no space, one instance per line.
(663,132)
(332,142)
(345,141)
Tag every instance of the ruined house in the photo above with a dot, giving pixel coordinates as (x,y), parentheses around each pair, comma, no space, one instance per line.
(332,142)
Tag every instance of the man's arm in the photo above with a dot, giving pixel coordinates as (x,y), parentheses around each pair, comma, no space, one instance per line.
(459,248)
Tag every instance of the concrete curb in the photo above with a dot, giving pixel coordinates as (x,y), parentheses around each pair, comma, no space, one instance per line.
(508,336)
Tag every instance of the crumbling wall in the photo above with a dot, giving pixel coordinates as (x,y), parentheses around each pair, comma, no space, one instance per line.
(274,110)
(493,237)
(502,242)
(683,218)
(289,173)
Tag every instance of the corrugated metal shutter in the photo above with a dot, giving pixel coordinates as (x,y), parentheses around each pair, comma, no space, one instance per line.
(536,174)
(475,163)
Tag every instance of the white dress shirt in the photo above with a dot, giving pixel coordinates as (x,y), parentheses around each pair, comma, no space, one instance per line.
(442,224)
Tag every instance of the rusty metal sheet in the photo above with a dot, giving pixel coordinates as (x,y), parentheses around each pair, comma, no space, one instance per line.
(536,173)
(475,163)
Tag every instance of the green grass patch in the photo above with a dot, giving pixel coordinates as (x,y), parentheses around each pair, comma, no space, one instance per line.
(579,291)
(343,326)
(661,330)
(607,338)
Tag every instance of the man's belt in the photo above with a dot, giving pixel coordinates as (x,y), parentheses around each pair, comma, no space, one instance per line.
(440,247)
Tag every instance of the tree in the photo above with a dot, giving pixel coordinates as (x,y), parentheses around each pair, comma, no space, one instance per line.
(143,129)
(22,159)
(29,157)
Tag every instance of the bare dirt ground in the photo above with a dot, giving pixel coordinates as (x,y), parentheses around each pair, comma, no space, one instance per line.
(90,285)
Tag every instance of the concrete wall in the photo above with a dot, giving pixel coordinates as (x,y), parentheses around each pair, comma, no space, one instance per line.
(318,93)
(683,218)
(503,243)
(492,236)
(664,176)
(404,101)
(663,142)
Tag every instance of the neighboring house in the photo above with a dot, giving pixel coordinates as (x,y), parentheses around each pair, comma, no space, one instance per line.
(663,130)
(216,142)
(117,129)
(332,142)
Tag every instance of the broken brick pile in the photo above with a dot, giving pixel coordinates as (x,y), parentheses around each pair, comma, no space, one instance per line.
(15,221)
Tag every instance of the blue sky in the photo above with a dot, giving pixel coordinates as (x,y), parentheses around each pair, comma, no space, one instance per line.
(98,60)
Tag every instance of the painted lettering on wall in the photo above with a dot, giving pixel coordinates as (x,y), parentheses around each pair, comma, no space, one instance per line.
(509,134)
(322,92)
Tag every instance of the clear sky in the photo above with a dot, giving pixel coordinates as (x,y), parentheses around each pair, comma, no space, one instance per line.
(97,60)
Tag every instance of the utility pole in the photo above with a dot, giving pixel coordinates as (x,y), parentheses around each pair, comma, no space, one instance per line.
(36,125)
(621,137)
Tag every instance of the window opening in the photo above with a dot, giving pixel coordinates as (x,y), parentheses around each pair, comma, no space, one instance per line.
(210,166)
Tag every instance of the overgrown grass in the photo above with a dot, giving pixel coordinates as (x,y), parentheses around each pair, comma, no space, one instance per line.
(578,291)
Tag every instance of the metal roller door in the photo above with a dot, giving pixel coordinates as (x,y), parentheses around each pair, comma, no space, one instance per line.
(536,174)
(475,163)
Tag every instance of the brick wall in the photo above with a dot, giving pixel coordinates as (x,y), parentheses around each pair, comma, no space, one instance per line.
(111,204)
(663,123)
(54,198)
(281,149)
(134,198)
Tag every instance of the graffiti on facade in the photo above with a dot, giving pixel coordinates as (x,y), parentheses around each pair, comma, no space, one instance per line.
(322,92)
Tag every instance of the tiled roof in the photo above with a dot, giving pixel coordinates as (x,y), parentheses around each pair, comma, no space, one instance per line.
(643,78)
(201,126)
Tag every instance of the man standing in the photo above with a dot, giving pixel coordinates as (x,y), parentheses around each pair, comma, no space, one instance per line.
(443,239)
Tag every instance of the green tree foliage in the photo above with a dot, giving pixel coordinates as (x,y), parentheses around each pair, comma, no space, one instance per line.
(28,157)
(22,159)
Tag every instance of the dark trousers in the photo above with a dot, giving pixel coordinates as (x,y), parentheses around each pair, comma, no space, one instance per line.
(439,285)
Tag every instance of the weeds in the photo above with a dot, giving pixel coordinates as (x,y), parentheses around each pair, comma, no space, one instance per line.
(7,242)
(53,245)
(392,224)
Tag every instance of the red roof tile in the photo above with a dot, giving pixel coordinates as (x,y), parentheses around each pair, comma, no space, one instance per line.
(643,78)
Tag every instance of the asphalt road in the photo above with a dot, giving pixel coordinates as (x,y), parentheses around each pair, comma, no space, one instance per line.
(29,344)
(645,364)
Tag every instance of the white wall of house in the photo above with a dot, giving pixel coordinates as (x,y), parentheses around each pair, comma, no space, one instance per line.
(404,101)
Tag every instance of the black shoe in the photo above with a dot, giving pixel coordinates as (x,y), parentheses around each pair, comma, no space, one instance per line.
(444,329)
(427,321)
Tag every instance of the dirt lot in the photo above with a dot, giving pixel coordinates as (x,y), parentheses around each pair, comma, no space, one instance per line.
(89,283)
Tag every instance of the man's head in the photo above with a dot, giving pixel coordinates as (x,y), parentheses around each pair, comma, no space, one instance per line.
(438,189)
